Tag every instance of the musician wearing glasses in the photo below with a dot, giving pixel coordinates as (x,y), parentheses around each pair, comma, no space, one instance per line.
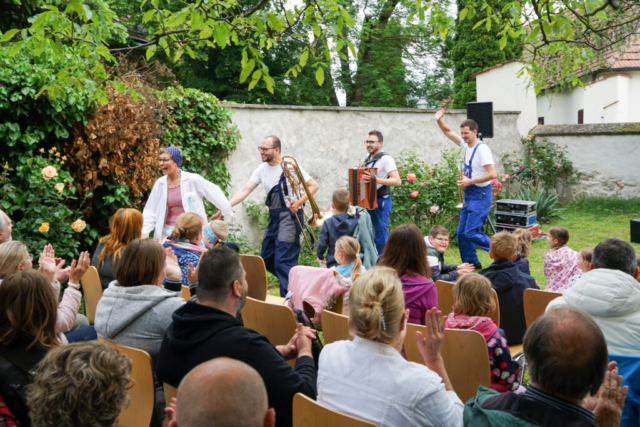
(281,242)
(479,170)
(176,192)
(387,177)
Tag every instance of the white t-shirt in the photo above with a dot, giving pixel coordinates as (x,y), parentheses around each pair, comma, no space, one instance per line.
(269,176)
(483,157)
(385,165)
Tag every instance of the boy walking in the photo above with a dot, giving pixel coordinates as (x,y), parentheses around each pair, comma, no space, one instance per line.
(340,224)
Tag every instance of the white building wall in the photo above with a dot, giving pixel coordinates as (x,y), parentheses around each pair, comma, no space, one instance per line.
(607,100)
(561,108)
(634,96)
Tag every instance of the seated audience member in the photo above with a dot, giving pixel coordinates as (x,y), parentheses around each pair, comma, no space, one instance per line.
(610,294)
(225,390)
(509,283)
(27,332)
(216,234)
(472,306)
(406,253)
(369,378)
(135,310)
(523,248)
(124,227)
(79,385)
(209,328)
(5,227)
(567,358)
(437,242)
(347,254)
(185,242)
(583,262)
(15,257)
(560,261)
(340,224)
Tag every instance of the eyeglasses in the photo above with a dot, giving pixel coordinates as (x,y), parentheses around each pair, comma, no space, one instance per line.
(163,160)
(442,240)
(370,142)
(262,149)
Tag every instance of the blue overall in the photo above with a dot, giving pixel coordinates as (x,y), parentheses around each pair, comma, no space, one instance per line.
(281,243)
(380,218)
(477,201)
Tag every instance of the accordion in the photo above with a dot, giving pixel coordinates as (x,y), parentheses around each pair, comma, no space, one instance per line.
(363,194)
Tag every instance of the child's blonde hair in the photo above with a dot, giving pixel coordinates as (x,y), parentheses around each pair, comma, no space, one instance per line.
(473,295)
(586,254)
(350,249)
(561,234)
(188,226)
(523,238)
(503,246)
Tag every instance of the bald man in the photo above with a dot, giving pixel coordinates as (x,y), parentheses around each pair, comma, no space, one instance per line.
(222,392)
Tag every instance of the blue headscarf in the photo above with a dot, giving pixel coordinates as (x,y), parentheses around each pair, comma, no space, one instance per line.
(175,153)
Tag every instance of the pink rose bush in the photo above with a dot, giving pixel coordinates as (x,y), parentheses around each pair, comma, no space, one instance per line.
(411,177)
(434,209)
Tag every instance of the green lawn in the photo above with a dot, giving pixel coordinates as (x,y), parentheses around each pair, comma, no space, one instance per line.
(589,221)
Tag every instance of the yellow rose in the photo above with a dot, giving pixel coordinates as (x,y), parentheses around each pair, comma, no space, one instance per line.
(64,157)
(78,225)
(42,150)
(57,154)
(44,227)
(60,187)
(49,172)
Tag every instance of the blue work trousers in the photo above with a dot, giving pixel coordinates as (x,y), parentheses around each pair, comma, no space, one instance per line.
(281,246)
(477,201)
(380,222)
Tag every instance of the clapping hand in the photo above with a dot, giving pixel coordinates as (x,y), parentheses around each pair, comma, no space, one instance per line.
(192,274)
(440,114)
(171,267)
(48,263)
(299,342)
(609,401)
(465,268)
(77,269)
(430,345)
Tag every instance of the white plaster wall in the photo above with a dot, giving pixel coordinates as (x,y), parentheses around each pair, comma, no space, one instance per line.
(599,96)
(634,96)
(327,141)
(608,164)
(561,108)
(502,86)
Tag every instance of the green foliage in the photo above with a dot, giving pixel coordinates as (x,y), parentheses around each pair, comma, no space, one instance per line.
(30,121)
(32,200)
(545,165)
(258,214)
(436,187)
(547,204)
(477,49)
(203,129)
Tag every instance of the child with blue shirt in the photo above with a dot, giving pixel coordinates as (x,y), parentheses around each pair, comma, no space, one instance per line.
(333,228)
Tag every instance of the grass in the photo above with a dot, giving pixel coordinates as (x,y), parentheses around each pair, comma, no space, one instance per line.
(589,221)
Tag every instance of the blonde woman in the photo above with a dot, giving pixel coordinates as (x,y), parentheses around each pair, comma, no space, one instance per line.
(369,378)
(185,242)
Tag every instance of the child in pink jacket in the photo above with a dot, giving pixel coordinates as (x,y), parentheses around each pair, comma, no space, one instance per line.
(560,262)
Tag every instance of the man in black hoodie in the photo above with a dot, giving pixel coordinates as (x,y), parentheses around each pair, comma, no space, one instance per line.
(209,328)
(509,283)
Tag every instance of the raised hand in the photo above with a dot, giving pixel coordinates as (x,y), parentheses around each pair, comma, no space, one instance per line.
(48,262)
(430,345)
(77,269)
(465,268)
(217,215)
(62,274)
(611,397)
(172,268)
(192,274)
(440,114)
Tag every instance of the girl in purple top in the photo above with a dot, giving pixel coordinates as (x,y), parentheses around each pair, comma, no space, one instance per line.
(406,252)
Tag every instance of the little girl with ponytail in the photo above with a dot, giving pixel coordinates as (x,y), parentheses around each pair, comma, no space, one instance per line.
(347,256)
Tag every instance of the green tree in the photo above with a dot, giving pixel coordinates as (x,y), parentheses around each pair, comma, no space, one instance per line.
(475,50)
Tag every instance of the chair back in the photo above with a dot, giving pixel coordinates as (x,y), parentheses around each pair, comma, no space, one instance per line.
(276,322)
(446,300)
(629,368)
(186,293)
(141,389)
(535,303)
(256,272)
(335,327)
(169,393)
(309,413)
(92,289)
(465,355)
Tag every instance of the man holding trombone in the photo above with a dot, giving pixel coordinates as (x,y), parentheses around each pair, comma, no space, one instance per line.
(281,242)
(478,172)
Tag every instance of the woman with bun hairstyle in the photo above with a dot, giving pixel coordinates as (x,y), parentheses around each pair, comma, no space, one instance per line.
(185,242)
(369,378)
(125,226)
(176,192)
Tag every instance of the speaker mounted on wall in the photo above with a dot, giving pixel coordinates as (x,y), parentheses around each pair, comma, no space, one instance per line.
(482,113)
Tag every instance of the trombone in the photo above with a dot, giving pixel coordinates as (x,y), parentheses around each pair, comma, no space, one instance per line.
(299,187)
(460,205)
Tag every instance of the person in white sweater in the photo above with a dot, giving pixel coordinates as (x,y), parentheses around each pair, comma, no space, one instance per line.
(610,294)
(369,378)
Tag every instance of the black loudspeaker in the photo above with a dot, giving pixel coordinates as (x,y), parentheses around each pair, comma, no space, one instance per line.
(635,230)
(482,113)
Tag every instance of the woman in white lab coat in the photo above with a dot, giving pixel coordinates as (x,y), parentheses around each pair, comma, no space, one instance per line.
(177,192)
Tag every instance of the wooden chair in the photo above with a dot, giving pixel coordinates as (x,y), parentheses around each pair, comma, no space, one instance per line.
(276,322)
(445,300)
(92,289)
(186,293)
(142,389)
(465,356)
(256,276)
(335,327)
(309,413)
(535,303)
(169,392)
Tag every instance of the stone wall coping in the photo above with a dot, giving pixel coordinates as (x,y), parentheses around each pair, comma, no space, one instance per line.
(587,129)
(357,109)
